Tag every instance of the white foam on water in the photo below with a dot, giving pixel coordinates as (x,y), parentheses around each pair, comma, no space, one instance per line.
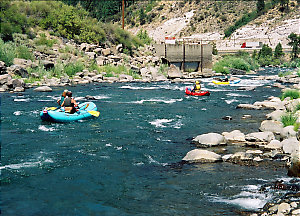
(17,113)
(138,164)
(170,101)
(99,97)
(231,101)
(160,122)
(203,109)
(138,87)
(79,98)
(237,95)
(44,128)
(151,160)
(104,157)
(249,198)
(119,148)
(21,99)
(108,145)
(45,100)
(178,124)
(26,164)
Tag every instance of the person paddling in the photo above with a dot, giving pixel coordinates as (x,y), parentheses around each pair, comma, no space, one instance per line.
(197,87)
(62,98)
(69,103)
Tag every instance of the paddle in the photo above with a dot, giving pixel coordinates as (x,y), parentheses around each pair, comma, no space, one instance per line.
(94,113)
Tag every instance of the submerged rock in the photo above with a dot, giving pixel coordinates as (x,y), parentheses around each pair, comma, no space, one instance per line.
(199,155)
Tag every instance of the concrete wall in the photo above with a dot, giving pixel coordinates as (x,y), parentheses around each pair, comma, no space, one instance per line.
(186,53)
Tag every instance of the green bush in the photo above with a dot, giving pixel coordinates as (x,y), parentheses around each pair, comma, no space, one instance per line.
(291,93)
(7,52)
(298,72)
(288,119)
(144,37)
(231,62)
(42,40)
(24,53)
(72,68)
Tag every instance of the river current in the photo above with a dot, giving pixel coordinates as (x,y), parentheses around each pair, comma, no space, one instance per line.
(127,161)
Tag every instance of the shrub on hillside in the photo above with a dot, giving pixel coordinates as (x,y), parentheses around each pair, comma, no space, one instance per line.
(63,20)
(7,52)
(144,37)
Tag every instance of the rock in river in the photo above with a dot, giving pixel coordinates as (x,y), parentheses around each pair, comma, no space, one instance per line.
(43,89)
(210,139)
(199,155)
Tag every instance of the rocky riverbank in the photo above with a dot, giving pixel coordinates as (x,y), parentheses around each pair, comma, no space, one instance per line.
(272,145)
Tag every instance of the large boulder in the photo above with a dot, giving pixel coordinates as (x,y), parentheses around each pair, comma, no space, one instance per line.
(290,145)
(210,139)
(198,155)
(271,125)
(18,83)
(4,78)
(43,89)
(234,136)
(106,52)
(275,115)
(270,105)
(47,64)
(274,144)
(18,70)
(266,136)
(174,72)
(288,132)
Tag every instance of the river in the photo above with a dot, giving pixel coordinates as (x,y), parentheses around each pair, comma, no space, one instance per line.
(127,161)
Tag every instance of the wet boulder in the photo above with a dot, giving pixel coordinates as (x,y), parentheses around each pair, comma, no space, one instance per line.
(266,136)
(271,125)
(275,115)
(288,132)
(234,136)
(43,89)
(210,139)
(274,144)
(199,155)
(290,145)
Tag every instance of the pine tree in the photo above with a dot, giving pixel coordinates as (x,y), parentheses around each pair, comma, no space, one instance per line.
(295,44)
(278,51)
(260,6)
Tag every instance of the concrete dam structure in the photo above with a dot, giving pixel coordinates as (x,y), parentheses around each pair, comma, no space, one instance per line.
(188,57)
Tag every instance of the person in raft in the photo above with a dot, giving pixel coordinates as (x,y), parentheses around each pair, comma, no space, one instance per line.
(62,98)
(225,79)
(69,103)
(197,87)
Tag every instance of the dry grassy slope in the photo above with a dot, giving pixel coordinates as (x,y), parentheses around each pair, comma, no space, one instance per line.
(207,17)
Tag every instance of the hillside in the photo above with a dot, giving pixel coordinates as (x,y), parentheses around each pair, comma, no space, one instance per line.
(208,20)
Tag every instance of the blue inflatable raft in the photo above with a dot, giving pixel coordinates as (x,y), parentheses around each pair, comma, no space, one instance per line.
(86,110)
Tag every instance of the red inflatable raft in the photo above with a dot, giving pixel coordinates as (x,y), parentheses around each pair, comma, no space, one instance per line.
(201,93)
